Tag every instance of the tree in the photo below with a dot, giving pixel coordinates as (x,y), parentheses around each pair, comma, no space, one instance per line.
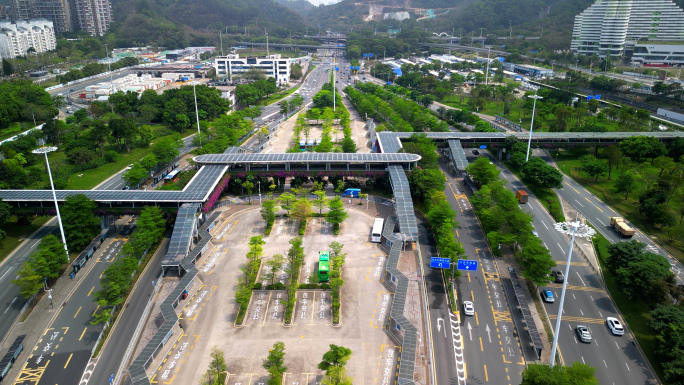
(44,264)
(337,356)
(542,374)
(165,149)
(286,200)
(301,209)
(664,163)
(149,229)
(116,280)
(543,175)
(337,375)
(321,202)
(275,364)
(284,107)
(483,171)
(135,175)
(256,247)
(613,155)
(216,374)
(536,261)
(123,130)
(268,210)
(423,182)
(641,147)
(5,214)
(336,214)
(274,265)
(7,68)
(626,181)
(249,186)
(595,167)
(79,222)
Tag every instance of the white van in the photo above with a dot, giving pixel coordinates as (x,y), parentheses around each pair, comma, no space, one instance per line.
(69,110)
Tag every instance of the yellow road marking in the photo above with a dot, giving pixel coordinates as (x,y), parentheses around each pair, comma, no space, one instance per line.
(579,319)
(486,376)
(84,330)
(79,309)
(68,359)
(90,292)
(581,288)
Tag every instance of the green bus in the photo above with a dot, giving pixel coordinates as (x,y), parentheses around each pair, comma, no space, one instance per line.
(323,266)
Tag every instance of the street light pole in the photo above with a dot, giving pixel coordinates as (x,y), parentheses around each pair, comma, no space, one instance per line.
(575,229)
(109,66)
(259,182)
(199,135)
(44,150)
(529,141)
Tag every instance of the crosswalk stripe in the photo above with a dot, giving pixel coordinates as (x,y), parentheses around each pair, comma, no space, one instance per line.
(571,287)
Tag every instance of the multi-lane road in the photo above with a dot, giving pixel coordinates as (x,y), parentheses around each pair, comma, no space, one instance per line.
(64,350)
(587,303)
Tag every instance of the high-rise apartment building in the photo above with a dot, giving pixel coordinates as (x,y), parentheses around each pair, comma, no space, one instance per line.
(621,28)
(93,16)
(57,11)
(17,37)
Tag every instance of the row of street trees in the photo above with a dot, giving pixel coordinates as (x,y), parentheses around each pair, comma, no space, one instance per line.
(301,208)
(504,222)
(333,363)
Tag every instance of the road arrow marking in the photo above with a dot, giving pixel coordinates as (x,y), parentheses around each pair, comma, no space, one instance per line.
(470,331)
(488,333)
(439,326)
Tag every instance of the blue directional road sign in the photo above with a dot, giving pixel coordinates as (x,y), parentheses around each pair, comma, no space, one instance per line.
(111,378)
(365,55)
(466,264)
(337,68)
(440,263)
(483,146)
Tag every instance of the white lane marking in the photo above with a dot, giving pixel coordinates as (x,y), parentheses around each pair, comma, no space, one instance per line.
(628,367)
(573,296)
(616,345)
(604,363)
(547,227)
(583,360)
(601,314)
(596,342)
(10,305)
(3,276)
(581,311)
(578,202)
(592,298)
(546,246)
(559,246)
(574,338)
(580,277)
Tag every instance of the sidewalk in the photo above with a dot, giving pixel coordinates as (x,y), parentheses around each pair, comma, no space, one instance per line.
(44,313)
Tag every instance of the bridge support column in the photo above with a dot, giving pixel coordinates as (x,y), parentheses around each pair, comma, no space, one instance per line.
(287,167)
(499,152)
(307,167)
(347,166)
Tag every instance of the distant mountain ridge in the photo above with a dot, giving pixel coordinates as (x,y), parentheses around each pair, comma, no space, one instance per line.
(178,23)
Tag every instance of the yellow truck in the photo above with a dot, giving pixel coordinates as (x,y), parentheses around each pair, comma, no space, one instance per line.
(621,227)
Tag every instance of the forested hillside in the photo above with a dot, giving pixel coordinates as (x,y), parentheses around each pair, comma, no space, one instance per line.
(300,6)
(175,24)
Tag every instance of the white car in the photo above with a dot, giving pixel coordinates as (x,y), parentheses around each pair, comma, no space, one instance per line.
(468,308)
(615,326)
(130,166)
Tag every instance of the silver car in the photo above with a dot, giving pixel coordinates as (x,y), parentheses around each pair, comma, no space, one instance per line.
(583,333)
(468,308)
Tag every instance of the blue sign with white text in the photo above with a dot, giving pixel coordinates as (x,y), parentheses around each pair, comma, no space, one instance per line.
(365,55)
(466,264)
(370,55)
(483,146)
(440,263)
(337,68)
(597,97)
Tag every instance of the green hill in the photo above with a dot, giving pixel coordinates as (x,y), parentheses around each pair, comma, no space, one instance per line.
(178,23)
(300,6)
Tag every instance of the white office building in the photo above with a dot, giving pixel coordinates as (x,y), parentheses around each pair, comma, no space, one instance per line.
(17,37)
(233,66)
(619,28)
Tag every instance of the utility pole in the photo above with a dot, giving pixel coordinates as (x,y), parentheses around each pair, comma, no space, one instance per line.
(487,74)
(510,26)
(111,79)
(221,39)
(267,51)
(481,32)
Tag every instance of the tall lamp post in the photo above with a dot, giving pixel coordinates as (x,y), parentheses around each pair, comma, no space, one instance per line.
(44,150)
(574,229)
(534,106)
(199,135)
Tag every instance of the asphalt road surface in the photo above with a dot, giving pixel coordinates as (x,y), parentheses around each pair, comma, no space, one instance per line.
(587,303)
(11,301)
(492,350)
(67,344)
(121,335)
(598,214)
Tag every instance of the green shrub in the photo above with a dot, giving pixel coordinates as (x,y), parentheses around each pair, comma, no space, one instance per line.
(257,286)
(302,227)
(275,286)
(325,286)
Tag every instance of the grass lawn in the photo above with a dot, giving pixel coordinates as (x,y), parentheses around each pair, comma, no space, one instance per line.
(16,233)
(548,198)
(635,310)
(275,97)
(93,177)
(14,129)
(604,189)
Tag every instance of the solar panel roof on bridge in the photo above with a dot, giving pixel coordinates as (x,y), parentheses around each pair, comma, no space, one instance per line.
(197,190)
(306,157)
(181,238)
(403,202)
(458,154)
